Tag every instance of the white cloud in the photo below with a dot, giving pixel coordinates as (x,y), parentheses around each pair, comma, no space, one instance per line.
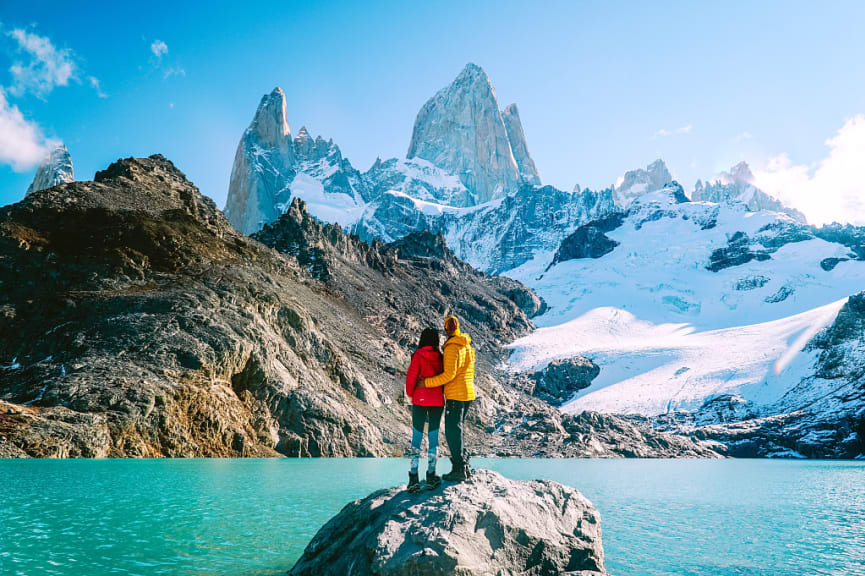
(96,86)
(159,48)
(832,189)
(173,71)
(43,65)
(743,136)
(163,64)
(678,131)
(22,144)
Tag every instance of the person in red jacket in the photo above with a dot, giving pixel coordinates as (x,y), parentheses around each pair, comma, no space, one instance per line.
(427,405)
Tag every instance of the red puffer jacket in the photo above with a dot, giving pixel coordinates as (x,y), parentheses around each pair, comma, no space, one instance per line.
(426,362)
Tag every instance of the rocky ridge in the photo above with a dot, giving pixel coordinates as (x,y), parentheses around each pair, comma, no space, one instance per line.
(145,325)
(737,185)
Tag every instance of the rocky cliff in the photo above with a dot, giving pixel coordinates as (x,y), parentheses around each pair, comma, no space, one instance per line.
(519,147)
(55,169)
(461,130)
(490,525)
(136,321)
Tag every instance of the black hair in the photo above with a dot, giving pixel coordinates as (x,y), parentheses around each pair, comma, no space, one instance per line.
(429,337)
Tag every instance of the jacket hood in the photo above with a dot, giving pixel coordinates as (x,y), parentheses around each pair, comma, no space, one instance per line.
(459,340)
(455,320)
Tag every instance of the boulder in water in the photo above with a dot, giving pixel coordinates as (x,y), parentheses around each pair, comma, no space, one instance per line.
(489,525)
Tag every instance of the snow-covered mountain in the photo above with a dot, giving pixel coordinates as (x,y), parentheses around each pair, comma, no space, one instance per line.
(55,169)
(737,185)
(270,168)
(691,308)
(495,236)
(468,174)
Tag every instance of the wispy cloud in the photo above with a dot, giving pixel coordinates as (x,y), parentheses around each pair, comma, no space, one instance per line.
(96,86)
(159,48)
(677,131)
(832,189)
(22,144)
(741,137)
(173,71)
(39,66)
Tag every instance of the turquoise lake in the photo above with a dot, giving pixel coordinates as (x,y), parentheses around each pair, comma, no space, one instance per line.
(254,517)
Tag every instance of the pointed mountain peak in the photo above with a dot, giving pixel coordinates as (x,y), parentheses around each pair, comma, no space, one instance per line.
(55,169)
(303,134)
(472,82)
(741,172)
(658,167)
(638,182)
(270,121)
(462,131)
(474,72)
(519,148)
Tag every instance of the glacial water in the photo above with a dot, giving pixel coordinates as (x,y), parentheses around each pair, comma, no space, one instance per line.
(254,517)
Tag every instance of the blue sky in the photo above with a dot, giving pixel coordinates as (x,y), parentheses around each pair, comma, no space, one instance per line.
(602,87)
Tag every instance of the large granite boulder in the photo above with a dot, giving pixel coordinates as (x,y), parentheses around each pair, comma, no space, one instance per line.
(490,525)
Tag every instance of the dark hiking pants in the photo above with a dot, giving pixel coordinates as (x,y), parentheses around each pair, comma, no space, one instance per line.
(455,418)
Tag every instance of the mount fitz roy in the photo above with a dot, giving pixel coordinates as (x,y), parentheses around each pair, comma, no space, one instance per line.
(741,274)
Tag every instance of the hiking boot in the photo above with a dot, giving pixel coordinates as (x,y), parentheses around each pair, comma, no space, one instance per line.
(413,483)
(458,474)
(432,481)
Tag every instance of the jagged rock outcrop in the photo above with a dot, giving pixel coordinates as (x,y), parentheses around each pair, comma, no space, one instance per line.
(135,321)
(590,240)
(561,378)
(638,182)
(490,525)
(55,169)
(737,185)
(462,131)
(495,237)
(270,168)
(737,252)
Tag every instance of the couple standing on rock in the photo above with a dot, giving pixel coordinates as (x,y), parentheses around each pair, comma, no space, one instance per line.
(437,382)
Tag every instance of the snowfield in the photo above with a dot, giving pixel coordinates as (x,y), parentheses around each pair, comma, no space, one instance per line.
(652,369)
(668,333)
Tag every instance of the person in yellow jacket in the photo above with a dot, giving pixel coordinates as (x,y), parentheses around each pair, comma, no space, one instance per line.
(458,380)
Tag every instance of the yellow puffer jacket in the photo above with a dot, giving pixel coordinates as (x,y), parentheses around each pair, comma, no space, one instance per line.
(458,377)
